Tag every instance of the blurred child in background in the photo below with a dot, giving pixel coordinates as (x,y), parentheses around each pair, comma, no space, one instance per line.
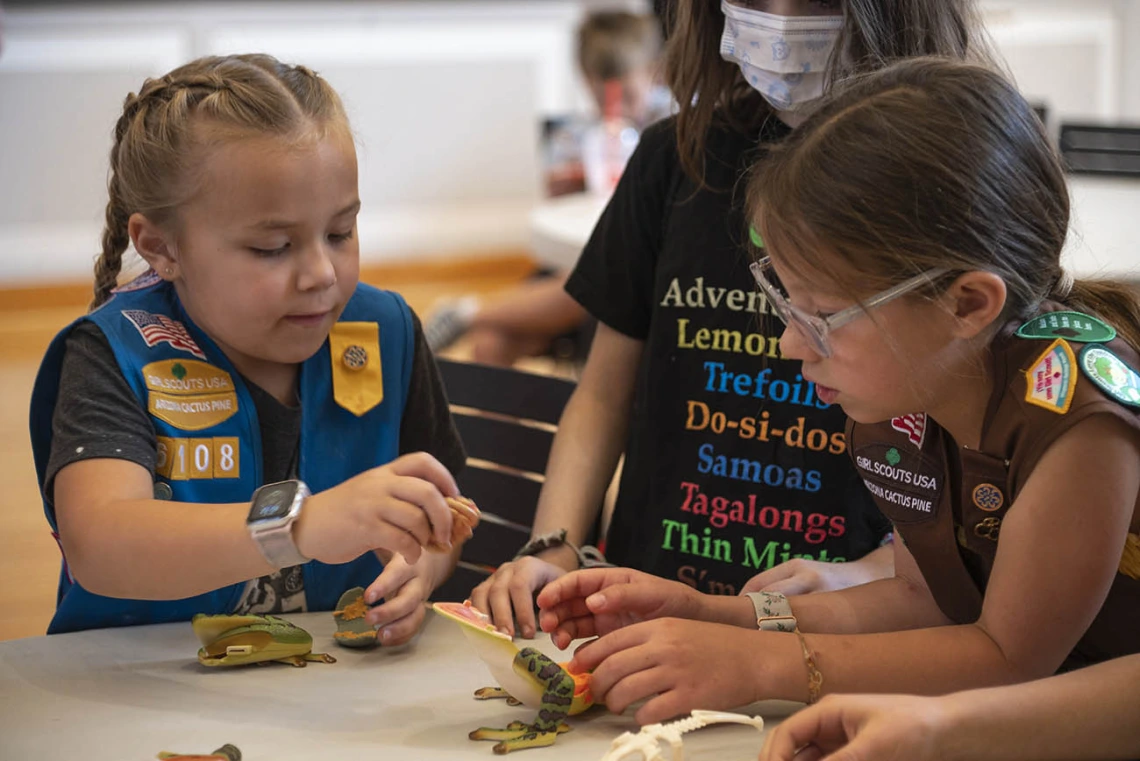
(618,55)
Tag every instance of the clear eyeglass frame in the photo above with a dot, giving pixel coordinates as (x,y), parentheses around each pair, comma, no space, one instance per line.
(817,329)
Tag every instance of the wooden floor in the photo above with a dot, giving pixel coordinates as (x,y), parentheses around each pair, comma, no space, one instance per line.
(29,318)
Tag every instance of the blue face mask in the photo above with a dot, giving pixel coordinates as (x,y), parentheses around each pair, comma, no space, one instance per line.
(783,57)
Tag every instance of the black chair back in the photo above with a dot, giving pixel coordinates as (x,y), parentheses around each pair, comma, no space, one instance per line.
(507,419)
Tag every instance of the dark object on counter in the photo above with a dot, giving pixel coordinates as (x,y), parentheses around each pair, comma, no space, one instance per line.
(1095,149)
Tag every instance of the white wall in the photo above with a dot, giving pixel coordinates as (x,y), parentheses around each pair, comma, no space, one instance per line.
(445,96)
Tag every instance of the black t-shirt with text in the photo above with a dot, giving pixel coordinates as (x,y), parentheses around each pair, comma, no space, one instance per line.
(732,465)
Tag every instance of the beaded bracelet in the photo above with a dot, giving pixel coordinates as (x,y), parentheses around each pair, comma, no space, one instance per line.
(588,555)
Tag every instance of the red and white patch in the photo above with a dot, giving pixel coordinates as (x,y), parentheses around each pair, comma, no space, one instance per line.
(913,425)
(157,328)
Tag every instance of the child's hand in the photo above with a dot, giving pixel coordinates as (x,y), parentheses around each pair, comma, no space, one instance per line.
(509,593)
(404,587)
(799,577)
(399,507)
(675,666)
(853,727)
(596,601)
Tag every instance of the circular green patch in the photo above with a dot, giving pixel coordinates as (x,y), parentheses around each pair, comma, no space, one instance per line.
(1111,375)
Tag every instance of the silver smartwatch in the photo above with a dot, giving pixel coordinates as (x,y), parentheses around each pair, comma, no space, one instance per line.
(274,509)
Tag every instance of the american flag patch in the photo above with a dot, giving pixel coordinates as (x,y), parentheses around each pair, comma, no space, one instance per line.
(913,425)
(156,328)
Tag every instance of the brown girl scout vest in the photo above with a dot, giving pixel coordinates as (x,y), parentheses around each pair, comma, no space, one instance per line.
(947,502)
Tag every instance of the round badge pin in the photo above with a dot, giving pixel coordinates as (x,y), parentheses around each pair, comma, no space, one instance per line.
(355,357)
(1111,374)
(1073,326)
(988,497)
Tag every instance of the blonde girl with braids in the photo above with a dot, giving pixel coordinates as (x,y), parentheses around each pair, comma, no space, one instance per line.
(912,232)
(248,354)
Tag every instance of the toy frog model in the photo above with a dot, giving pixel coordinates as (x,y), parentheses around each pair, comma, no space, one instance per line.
(225,753)
(229,640)
(525,677)
(352,630)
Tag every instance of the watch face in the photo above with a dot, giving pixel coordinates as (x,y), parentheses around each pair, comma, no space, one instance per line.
(272,503)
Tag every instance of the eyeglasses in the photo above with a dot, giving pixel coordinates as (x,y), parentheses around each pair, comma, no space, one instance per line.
(816,328)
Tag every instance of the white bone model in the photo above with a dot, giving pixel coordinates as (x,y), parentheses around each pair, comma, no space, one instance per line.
(646,743)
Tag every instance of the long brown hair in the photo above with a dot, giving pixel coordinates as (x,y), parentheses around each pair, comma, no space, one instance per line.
(155,141)
(875,33)
(927,163)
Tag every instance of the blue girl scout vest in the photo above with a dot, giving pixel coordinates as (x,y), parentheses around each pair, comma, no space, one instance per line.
(352,393)
(947,502)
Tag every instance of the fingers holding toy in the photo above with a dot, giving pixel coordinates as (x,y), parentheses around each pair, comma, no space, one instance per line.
(464,519)
(596,601)
(675,665)
(400,507)
(508,594)
(403,586)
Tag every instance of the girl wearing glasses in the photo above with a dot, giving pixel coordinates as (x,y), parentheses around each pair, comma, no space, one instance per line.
(913,228)
(734,466)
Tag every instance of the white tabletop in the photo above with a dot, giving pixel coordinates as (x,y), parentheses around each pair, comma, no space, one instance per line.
(126,694)
(1104,235)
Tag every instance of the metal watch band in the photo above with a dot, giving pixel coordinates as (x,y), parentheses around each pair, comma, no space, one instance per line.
(773,612)
(276,544)
(278,547)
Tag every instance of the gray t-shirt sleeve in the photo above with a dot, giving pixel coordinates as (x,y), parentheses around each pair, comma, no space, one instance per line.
(427,425)
(97,413)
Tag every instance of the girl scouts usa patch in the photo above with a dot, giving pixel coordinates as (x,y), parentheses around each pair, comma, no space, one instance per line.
(1111,375)
(1075,326)
(1050,380)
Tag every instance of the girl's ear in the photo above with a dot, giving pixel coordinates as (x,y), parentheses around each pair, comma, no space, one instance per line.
(976,299)
(154,244)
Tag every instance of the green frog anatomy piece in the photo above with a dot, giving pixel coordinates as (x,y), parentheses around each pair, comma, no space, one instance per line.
(525,676)
(229,640)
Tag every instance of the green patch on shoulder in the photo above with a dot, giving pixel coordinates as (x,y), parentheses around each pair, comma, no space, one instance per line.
(1073,326)
(1111,375)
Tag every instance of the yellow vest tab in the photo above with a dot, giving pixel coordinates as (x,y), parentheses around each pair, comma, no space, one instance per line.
(358,383)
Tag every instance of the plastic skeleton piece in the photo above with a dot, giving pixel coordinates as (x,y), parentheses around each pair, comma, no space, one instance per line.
(646,743)
(237,640)
(527,676)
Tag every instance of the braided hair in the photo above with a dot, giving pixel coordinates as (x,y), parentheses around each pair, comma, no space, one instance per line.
(154,138)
